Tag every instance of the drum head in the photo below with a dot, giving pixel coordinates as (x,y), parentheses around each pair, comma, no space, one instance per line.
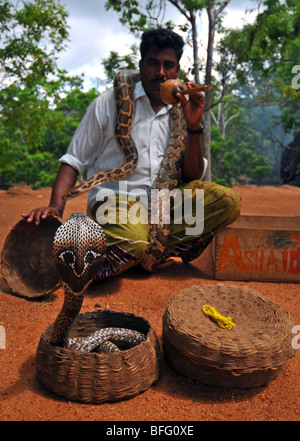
(27,261)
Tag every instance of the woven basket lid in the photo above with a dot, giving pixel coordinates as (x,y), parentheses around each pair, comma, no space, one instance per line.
(91,377)
(27,262)
(251,354)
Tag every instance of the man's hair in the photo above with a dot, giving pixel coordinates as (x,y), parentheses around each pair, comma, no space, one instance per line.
(162,39)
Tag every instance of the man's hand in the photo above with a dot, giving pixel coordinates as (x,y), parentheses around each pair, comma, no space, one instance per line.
(40,213)
(64,181)
(193,107)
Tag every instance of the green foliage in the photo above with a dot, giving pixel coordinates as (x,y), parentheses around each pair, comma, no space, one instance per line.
(37,170)
(194,5)
(241,156)
(34,159)
(65,119)
(115,62)
(41,106)
(132,13)
(30,37)
(260,58)
(32,130)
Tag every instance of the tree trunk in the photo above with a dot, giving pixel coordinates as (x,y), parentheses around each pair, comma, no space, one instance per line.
(211,12)
(195,47)
(206,139)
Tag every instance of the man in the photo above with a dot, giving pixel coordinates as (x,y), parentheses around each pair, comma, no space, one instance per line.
(94,149)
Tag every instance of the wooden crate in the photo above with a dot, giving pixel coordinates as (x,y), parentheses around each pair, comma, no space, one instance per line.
(260,248)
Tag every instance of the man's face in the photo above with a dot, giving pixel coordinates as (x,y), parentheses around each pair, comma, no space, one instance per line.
(158,66)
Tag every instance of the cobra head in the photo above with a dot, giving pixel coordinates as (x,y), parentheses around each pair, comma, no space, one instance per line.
(79,247)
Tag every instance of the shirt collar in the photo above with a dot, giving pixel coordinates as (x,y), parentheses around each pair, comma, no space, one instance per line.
(139,92)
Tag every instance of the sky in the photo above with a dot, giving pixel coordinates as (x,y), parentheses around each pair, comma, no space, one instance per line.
(95,32)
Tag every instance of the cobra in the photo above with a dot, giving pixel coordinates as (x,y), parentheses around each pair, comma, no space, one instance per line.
(79,248)
(169,174)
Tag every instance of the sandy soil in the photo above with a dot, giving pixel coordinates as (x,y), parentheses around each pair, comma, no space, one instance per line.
(173,397)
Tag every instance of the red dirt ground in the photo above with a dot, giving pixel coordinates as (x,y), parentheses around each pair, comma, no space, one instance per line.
(173,397)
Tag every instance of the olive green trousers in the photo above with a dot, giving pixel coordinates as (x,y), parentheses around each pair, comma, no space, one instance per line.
(197,212)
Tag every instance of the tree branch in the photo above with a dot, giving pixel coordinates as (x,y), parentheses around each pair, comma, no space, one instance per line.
(180,9)
(230,118)
(222,6)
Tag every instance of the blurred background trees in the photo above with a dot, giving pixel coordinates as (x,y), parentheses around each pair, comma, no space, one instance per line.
(252,110)
(40,105)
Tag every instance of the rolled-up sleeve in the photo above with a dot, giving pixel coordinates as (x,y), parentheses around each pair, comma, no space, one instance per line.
(86,141)
(205,163)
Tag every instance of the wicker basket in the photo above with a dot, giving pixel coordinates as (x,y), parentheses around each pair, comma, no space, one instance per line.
(27,262)
(251,354)
(96,378)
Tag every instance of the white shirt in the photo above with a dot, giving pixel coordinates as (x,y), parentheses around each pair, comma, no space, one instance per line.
(93,147)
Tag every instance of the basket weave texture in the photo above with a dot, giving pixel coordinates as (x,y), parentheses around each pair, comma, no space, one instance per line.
(251,354)
(27,262)
(90,377)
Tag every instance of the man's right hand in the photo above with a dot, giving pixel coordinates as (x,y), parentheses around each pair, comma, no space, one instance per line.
(64,181)
(40,213)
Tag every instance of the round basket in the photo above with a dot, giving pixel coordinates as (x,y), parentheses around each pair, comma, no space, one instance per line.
(91,377)
(27,262)
(251,354)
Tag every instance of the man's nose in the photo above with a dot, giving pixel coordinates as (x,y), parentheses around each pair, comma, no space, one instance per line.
(161,70)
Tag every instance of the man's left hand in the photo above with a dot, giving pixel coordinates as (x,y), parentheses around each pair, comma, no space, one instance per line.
(192,107)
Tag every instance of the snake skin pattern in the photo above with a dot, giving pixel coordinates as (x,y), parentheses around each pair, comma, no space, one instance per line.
(106,346)
(114,335)
(169,174)
(123,89)
(79,247)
